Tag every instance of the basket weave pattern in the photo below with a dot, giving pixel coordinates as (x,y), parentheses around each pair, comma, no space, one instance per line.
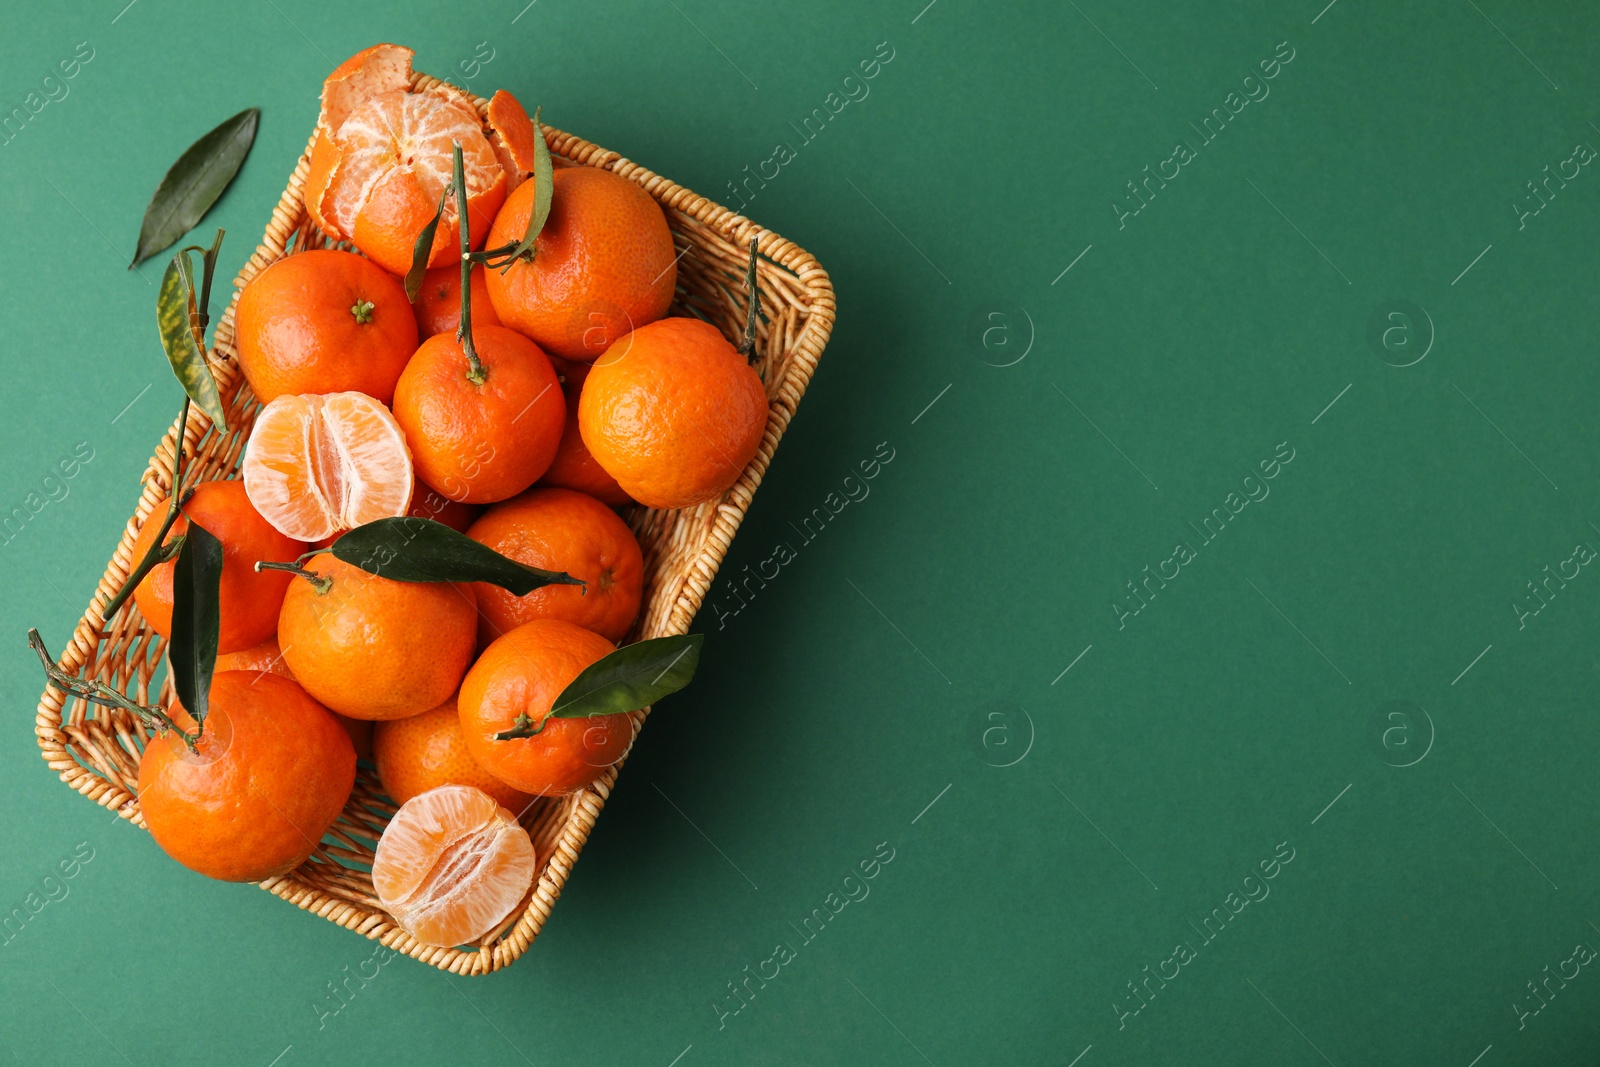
(96,750)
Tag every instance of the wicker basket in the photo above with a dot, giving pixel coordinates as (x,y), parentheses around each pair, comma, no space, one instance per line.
(96,750)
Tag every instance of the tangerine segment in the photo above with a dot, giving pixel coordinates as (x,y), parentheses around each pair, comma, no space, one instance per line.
(425,751)
(271,773)
(451,865)
(318,464)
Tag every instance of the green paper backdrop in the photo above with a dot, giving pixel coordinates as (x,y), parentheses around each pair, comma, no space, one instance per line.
(1205,675)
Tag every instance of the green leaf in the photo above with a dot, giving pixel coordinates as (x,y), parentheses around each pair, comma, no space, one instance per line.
(183,336)
(633,677)
(194,182)
(544,177)
(412,549)
(196,619)
(423,249)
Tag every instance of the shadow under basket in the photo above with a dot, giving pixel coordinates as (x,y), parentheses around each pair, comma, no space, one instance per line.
(96,750)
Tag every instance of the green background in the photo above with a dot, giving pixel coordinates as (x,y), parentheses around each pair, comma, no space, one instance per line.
(1083,822)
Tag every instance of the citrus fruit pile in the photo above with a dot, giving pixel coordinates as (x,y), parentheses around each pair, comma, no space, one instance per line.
(421,564)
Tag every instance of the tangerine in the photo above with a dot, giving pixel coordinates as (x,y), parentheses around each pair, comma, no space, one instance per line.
(268,777)
(373,648)
(603,264)
(317,465)
(521,674)
(438,306)
(574,467)
(561,530)
(249,601)
(383,155)
(324,321)
(452,865)
(424,751)
(674,413)
(480,435)
(267,657)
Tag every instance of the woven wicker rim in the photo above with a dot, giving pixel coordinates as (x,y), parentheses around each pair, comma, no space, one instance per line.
(96,751)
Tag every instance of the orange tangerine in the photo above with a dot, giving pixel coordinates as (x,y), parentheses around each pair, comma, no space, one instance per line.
(318,464)
(424,751)
(452,865)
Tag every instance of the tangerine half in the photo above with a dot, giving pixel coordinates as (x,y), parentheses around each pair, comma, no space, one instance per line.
(452,865)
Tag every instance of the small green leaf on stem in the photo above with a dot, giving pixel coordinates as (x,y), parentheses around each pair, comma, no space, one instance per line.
(196,619)
(412,549)
(747,347)
(544,176)
(633,677)
(182,324)
(194,183)
(423,249)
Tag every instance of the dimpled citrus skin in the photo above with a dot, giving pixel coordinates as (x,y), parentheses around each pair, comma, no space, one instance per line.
(561,530)
(522,673)
(673,412)
(272,774)
(438,306)
(480,443)
(372,648)
(425,751)
(249,600)
(603,264)
(298,334)
(574,467)
(268,657)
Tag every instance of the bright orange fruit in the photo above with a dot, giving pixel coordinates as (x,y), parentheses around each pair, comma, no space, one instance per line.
(372,648)
(522,673)
(438,306)
(480,442)
(452,865)
(603,264)
(574,467)
(562,530)
(316,465)
(674,413)
(425,751)
(383,154)
(271,774)
(267,657)
(249,600)
(324,321)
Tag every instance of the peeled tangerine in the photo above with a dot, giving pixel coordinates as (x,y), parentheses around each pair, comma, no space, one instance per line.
(452,865)
(383,154)
(320,464)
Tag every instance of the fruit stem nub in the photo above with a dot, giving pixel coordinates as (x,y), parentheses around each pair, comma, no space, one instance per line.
(321,581)
(475,373)
(522,727)
(362,310)
(105,696)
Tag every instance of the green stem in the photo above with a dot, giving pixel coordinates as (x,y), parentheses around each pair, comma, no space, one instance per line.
(105,696)
(522,727)
(322,582)
(475,373)
(158,553)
